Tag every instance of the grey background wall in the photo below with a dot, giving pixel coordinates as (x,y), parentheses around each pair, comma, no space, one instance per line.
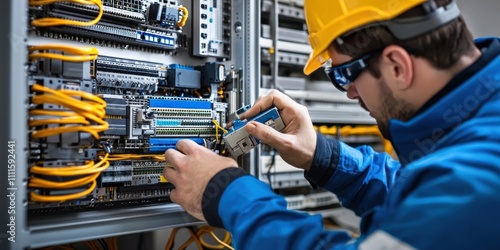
(482,16)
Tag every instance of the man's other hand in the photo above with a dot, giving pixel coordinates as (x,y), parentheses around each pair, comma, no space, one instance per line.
(190,167)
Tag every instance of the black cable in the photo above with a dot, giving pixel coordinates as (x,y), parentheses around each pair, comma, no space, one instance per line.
(103,244)
(140,241)
(269,166)
(219,145)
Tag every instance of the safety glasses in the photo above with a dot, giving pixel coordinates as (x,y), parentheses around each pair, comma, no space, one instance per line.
(343,75)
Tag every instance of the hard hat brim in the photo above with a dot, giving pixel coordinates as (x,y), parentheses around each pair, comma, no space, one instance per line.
(315,62)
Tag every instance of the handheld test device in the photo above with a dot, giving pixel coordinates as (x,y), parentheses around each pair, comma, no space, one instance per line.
(238,141)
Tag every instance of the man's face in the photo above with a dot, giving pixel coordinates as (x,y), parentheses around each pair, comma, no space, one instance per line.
(375,96)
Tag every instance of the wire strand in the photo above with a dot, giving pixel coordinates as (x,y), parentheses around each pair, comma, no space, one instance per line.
(185,16)
(54,21)
(194,238)
(84,111)
(61,198)
(79,54)
(90,169)
(209,230)
(123,157)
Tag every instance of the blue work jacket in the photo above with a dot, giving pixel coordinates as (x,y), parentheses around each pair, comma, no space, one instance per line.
(443,193)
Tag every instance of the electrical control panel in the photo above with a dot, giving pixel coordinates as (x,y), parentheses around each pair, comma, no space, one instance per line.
(112,85)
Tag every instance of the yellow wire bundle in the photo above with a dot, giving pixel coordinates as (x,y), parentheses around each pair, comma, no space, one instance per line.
(85,114)
(79,54)
(225,243)
(53,21)
(90,169)
(197,238)
(193,238)
(90,109)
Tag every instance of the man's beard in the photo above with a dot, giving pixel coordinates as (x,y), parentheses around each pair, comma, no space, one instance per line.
(391,108)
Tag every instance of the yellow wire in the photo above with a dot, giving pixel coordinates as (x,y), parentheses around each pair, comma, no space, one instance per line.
(41,183)
(62,57)
(53,21)
(94,170)
(90,108)
(94,112)
(216,131)
(217,127)
(223,243)
(190,240)
(69,171)
(184,18)
(115,243)
(87,165)
(65,48)
(112,243)
(66,120)
(85,95)
(171,239)
(43,133)
(61,198)
(51,112)
(57,97)
(122,157)
(80,54)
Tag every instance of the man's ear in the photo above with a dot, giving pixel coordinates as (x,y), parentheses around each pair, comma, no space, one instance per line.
(401,66)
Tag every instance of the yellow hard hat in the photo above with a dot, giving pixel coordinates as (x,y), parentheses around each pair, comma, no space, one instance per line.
(328,20)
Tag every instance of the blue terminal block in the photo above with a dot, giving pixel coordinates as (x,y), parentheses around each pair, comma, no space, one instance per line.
(239,142)
(160,145)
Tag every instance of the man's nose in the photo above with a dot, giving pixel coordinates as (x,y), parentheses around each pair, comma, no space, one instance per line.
(352,92)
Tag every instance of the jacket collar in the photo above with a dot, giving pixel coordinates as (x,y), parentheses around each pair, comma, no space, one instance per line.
(471,88)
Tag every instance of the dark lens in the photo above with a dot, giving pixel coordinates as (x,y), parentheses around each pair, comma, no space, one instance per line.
(350,73)
(334,78)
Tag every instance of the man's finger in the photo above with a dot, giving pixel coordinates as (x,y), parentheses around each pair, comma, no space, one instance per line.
(266,134)
(173,195)
(170,174)
(172,157)
(186,146)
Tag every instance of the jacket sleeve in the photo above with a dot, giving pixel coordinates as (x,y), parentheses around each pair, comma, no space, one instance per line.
(259,219)
(360,177)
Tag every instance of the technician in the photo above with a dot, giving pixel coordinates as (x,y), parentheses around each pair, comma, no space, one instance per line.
(434,93)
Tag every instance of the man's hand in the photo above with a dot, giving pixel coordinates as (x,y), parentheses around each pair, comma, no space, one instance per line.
(297,143)
(190,168)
